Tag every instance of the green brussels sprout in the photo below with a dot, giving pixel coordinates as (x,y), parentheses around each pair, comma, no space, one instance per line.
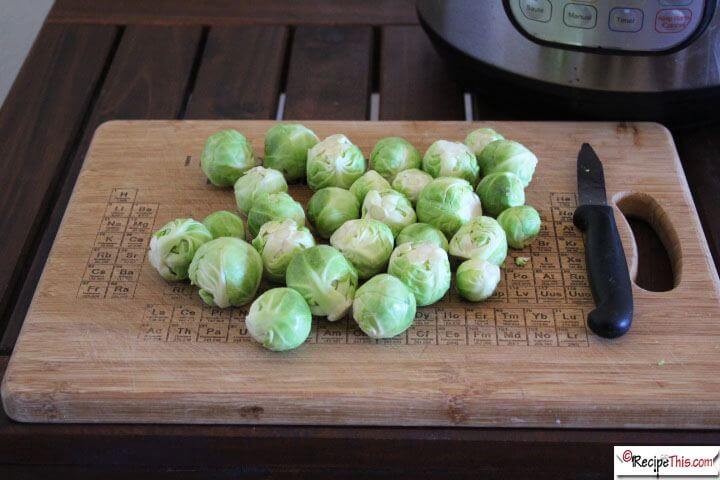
(411,182)
(521,225)
(334,162)
(225,224)
(508,156)
(227,270)
(371,180)
(227,154)
(173,247)
(330,207)
(424,268)
(478,139)
(477,279)
(277,242)
(366,243)
(326,280)
(279,319)
(422,232)
(275,206)
(500,190)
(384,307)
(286,149)
(392,155)
(481,237)
(451,159)
(447,204)
(255,182)
(389,207)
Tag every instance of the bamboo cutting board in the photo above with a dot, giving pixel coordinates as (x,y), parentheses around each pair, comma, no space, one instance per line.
(107,340)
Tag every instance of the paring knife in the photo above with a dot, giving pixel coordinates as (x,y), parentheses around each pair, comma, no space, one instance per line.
(607,268)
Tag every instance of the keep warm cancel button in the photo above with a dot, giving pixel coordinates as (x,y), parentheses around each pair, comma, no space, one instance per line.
(672,20)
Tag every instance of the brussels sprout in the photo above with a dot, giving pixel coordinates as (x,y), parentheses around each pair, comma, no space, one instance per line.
(255,182)
(366,243)
(451,159)
(521,261)
(279,319)
(225,224)
(424,268)
(521,225)
(478,139)
(390,207)
(330,207)
(447,204)
(499,191)
(286,149)
(508,156)
(392,155)
(227,154)
(277,243)
(227,270)
(422,232)
(481,237)
(173,247)
(411,182)
(325,279)
(477,279)
(334,162)
(275,206)
(371,180)
(384,307)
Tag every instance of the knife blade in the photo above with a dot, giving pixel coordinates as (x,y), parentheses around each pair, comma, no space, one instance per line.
(608,273)
(590,177)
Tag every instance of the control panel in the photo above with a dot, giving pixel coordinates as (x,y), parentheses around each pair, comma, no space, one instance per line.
(631,25)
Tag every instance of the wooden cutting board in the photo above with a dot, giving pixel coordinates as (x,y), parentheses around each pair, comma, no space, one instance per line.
(107,340)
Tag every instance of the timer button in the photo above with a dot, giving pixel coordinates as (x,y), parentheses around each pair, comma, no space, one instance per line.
(672,20)
(626,20)
(580,16)
(536,10)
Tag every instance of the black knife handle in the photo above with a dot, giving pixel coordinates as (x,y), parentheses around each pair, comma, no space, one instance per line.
(607,271)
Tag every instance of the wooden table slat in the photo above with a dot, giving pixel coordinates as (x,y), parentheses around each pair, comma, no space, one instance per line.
(234,12)
(240,73)
(330,73)
(39,122)
(414,82)
(148,79)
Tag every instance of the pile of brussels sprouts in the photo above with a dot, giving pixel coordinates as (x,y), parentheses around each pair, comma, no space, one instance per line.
(387,226)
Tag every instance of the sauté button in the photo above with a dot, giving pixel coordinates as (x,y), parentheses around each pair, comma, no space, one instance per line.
(537,10)
(580,16)
(626,19)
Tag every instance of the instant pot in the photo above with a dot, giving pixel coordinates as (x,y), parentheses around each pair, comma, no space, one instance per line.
(620,59)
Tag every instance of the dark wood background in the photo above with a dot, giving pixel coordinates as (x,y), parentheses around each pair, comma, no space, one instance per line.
(96,60)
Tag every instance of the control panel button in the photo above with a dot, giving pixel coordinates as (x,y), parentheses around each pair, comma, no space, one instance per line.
(672,20)
(626,19)
(537,10)
(580,16)
(675,3)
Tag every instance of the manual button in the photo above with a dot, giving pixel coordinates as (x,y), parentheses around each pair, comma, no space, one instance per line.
(580,16)
(672,20)
(626,19)
(537,10)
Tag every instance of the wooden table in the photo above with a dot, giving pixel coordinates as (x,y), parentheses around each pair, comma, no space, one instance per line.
(99,60)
